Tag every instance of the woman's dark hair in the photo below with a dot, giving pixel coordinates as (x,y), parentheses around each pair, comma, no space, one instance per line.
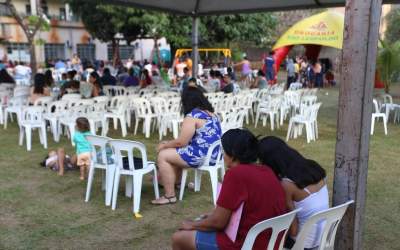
(286,162)
(192,98)
(71,74)
(74,84)
(241,145)
(48,78)
(145,72)
(130,71)
(5,77)
(212,73)
(260,73)
(82,124)
(218,74)
(39,84)
(96,76)
(106,71)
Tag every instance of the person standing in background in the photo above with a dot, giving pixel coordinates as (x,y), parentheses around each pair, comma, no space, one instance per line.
(318,74)
(76,63)
(291,72)
(189,63)
(269,68)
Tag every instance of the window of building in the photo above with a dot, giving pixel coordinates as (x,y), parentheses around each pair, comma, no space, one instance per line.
(4,10)
(53,51)
(45,8)
(28,9)
(86,51)
(18,52)
(63,14)
(125,52)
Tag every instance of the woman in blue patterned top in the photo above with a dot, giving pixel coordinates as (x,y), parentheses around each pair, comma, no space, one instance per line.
(200,129)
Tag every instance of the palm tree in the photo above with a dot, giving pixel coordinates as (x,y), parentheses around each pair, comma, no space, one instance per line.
(388,62)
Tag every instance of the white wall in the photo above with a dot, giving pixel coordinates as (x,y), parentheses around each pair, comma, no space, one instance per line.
(146,46)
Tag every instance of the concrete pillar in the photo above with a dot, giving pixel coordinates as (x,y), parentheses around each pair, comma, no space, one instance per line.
(195,46)
(67,12)
(33,7)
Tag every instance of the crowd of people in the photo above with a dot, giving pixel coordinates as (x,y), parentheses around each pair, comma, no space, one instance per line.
(68,74)
(265,176)
(312,74)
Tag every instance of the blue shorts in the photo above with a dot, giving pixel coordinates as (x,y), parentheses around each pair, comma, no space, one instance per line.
(206,240)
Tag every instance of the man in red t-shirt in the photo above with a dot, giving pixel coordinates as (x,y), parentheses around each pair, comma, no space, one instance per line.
(256,186)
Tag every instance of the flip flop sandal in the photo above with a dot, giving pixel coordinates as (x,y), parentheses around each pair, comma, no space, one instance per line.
(170,200)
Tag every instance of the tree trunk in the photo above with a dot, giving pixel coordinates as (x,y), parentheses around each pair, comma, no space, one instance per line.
(387,88)
(116,55)
(32,52)
(157,51)
(360,43)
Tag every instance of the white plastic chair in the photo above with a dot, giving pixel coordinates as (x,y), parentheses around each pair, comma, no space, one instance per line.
(80,102)
(330,219)
(71,97)
(308,118)
(21,91)
(206,167)
(376,115)
(117,113)
(32,117)
(54,111)
(3,100)
(232,120)
(269,109)
(388,106)
(143,112)
(99,144)
(68,120)
(43,101)
(15,106)
(294,99)
(277,224)
(295,86)
(121,147)
(101,99)
(95,116)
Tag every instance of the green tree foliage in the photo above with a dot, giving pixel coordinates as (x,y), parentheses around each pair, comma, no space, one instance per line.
(388,62)
(105,21)
(254,28)
(392,33)
(30,25)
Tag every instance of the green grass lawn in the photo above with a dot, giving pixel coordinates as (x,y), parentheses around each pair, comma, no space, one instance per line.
(40,210)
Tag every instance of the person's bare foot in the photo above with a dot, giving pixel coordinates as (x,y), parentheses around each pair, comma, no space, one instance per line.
(61,173)
(82,178)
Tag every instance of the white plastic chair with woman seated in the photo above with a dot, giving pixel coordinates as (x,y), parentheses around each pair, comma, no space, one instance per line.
(207,166)
(330,219)
(277,224)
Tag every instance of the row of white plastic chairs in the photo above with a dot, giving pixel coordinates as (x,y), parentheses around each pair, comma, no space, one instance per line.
(164,113)
(329,219)
(99,111)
